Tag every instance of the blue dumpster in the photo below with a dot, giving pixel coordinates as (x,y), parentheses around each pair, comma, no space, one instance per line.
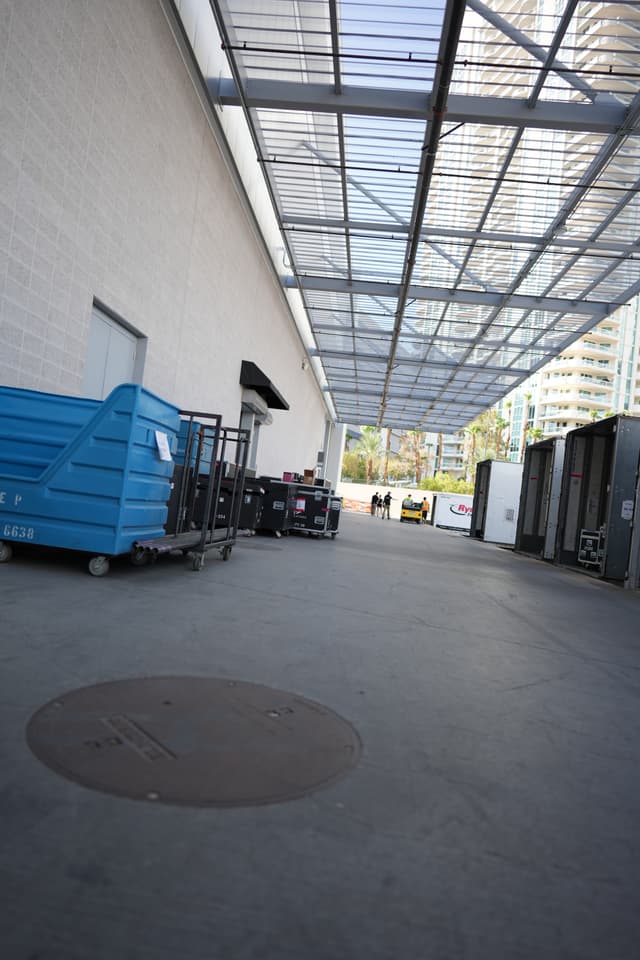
(84,474)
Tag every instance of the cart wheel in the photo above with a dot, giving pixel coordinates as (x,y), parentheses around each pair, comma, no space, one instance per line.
(139,557)
(6,552)
(333,536)
(226,553)
(197,561)
(98,566)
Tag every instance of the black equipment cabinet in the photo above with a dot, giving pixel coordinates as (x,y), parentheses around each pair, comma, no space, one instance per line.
(278,503)
(599,493)
(317,511)
(333,516)
(536,533)
(250,506)
(311,509)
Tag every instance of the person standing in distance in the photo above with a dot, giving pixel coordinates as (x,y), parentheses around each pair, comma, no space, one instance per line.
(425,510)
(374,503)
(386,505)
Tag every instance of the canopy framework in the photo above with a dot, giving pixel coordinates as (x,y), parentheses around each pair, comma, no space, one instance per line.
(456,185)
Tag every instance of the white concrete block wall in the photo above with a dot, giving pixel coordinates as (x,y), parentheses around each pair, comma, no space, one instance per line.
(112,186)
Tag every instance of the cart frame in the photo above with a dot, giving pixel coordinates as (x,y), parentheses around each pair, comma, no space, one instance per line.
(207,445)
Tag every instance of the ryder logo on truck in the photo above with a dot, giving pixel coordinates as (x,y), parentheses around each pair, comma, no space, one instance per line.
(460,509)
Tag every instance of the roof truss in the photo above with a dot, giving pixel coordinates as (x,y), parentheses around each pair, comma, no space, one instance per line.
(457,194)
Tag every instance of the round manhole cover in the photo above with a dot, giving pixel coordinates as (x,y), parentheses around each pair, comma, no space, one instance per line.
(193,740)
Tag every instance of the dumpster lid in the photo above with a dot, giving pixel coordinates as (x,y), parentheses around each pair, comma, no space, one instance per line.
(252,376)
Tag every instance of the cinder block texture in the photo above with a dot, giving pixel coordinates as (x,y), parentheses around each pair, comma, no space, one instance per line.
(112,187)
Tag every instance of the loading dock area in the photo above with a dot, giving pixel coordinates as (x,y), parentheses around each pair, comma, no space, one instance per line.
(493,811)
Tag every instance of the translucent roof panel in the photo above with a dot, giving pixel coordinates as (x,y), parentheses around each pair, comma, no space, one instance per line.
(457,186)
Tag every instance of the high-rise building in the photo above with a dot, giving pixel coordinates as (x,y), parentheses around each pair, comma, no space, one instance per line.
(597,375)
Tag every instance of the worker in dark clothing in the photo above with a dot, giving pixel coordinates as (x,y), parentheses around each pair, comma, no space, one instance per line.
(374,503)
(386,505)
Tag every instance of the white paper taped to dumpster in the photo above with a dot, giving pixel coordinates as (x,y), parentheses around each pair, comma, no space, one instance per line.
(162,443)
(627,510)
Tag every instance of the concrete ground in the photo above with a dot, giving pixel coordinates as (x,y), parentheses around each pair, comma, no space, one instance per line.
(494,814)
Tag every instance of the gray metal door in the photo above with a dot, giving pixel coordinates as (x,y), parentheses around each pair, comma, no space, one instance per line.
(111,356)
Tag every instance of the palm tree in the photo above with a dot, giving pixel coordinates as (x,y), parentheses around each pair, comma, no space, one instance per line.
(412,446)
(387,447)
(507,443)
(530,433)
(523,442)
(472,431)
(439,451)
(370,446)
(501,425)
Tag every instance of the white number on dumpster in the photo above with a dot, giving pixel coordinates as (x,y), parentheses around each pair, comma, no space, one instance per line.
(17,532)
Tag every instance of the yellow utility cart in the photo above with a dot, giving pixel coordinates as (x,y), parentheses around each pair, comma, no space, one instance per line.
(411,510)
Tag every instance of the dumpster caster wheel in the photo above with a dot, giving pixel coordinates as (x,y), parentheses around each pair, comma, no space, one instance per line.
(197,562)
(277,533)
(139,558)
(98,566)
(6,552)
(333,536)
(226,553)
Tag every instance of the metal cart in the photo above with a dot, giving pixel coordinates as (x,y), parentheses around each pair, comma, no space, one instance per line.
(210,470)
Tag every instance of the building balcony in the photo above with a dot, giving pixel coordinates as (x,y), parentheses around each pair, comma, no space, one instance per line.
(571,413)
(585,363)
(593,348)
(578,395)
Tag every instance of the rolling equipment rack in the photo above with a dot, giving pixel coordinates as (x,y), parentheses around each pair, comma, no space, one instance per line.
(210,457)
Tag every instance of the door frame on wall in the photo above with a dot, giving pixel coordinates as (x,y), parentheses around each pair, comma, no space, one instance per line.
(98,381)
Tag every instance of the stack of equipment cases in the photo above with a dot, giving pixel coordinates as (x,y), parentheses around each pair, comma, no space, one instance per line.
(317,510)
(311,509)
(278,504)
(333,515)
(250,507)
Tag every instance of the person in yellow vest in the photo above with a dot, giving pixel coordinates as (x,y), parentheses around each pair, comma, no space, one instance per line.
(425,510)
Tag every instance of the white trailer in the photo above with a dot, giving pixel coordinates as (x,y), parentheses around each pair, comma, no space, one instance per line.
(452,511)
(496,501)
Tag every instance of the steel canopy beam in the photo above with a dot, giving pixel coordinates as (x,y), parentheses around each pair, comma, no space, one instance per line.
(400,397)
(266,94)
(517,301)
(400,230)
(411,362)
(426,339)
(299,224)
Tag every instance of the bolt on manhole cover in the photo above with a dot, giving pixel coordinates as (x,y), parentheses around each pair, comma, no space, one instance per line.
(196,741)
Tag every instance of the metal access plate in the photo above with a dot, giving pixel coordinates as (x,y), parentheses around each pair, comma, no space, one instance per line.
(196,741)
